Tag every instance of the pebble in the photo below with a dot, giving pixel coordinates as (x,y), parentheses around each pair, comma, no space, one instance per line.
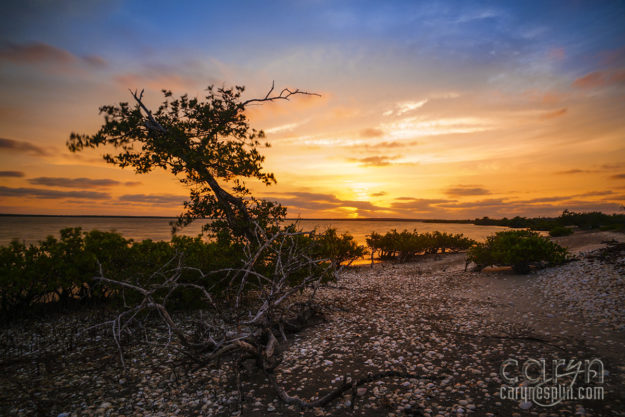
(525,405)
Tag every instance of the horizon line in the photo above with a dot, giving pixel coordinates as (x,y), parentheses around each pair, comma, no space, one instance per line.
(404,219)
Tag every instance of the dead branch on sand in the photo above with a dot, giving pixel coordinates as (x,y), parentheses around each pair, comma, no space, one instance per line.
(271,294)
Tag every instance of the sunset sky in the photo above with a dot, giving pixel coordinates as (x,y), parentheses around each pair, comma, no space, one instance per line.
(427,110)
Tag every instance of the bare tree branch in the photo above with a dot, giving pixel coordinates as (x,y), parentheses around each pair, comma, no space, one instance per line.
(285,94)
(240,327)
(347,385)
(151,124)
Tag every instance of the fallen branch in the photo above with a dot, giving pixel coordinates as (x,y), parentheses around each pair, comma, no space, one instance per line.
(510,337)
(337,392)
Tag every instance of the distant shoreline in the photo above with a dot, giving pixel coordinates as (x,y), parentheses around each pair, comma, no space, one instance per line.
(360,219)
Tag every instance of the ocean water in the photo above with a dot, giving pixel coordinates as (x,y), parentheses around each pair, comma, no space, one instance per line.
(32,229)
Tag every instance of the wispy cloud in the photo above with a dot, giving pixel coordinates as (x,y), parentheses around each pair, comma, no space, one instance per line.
(593,170)
(546,199)
(51,194)
(489,202)
(160,199)
(39,52)
(612,166)
(544,205)
(388,144)
(321,202)
(413,127)
(14,174)
(78,182)
(371,133)
(10,145)
(418,205)
(466,190)
(478,15)
(158,77)
(405,107)
(408,106)
(282,128)
(576,171)
(374,161)
(553,114)
(599,79)
(596,193)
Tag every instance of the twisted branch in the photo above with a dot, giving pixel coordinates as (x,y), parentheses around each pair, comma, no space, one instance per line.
(285,94)
(237,330)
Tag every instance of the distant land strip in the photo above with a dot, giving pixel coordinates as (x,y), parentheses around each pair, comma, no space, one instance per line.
(360,219)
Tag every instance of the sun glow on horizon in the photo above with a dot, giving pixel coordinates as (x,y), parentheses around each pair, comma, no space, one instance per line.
(425,111)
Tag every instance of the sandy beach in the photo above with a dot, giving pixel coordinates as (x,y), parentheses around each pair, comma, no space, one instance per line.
(451,328)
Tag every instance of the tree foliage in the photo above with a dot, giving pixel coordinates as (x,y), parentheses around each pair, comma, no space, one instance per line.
(520,249)
(405,246)
(338,248)
(558,231)
(56,273)
(582,220)
(202,142)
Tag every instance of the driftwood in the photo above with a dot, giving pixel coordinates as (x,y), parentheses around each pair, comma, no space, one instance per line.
(347,385)
(253,315)
(528,338)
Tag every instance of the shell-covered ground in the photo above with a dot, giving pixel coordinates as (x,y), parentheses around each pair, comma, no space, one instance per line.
(450,328)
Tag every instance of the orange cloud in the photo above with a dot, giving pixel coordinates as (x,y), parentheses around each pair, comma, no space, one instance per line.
(554,114)
(14,174)
(10,145)
(576,171)
(159,199)
(51,194)
(547,98)
(155,81)
(550,98)
(387,144)
(466,190)
(375,161)
(371,133)
(599,79)
(64,182)
(39,52)
(618,76)
(592,80)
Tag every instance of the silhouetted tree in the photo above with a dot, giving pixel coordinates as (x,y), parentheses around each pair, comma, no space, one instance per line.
(202,142)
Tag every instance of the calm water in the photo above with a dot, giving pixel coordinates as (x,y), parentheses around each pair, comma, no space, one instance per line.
(33,229)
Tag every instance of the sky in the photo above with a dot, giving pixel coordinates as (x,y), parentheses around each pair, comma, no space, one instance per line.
(442,109)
